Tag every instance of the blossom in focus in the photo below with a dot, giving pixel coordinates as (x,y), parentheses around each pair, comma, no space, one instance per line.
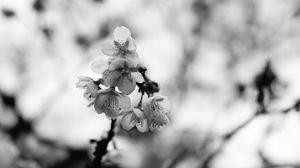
(156,110)
(120,73)
(90,87)
(122,46)
(111,102)
(154,115)
(135,118)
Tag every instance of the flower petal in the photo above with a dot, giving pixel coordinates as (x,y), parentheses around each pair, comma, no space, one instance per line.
(159,97)
(109,49)
(138,113)
(111,59)
(156,111)
(147,101)
(107,103)
(84,78)
(83,81)
(152,127)
(137,77)
(142,126)
(132,59)
(111,78)
(126,84)
(87,95)
(99,66)
(117,64)
(100,102)
(160,120)
(131,45)
(121,35)
(124,101)
(163,102)
(81,84)
(126,122)
(156,115)
(166,106)
(93,89)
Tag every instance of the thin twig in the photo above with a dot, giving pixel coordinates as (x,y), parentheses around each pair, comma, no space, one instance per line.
(141,100)
(225,139)
(229,135)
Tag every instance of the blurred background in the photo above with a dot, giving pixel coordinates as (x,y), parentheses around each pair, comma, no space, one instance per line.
(230,69)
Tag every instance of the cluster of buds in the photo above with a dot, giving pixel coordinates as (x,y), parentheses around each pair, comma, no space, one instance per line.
(121,73)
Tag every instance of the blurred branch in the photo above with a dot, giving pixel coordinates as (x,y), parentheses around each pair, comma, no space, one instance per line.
(179,156)
(101,146)
(184,152)
(227,137)
(263,84)
(225,140)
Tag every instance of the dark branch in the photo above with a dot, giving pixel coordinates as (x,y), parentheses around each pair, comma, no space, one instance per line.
(101,146)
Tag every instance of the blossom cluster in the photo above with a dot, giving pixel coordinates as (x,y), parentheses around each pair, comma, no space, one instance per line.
(121,73)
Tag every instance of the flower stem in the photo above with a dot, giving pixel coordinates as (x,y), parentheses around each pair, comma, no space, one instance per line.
(141,101)
(148,86)
(101,146)
(142,71)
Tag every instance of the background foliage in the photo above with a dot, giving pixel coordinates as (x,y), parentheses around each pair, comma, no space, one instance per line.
(210,58)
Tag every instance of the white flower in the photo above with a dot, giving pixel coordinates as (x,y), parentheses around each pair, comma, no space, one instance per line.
(120,74)
(135,118)
(156,110)
(122,46)
(111,102)
(154,115)
(90,87)
(121,35)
